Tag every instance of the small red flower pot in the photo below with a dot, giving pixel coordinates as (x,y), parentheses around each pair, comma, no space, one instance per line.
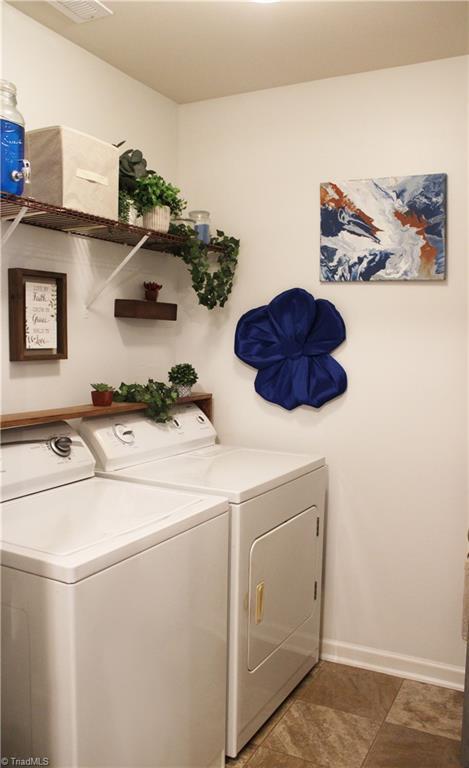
(151,295)
(102,398)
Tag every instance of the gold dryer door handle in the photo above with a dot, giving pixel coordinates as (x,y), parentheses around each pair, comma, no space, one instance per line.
(260,602)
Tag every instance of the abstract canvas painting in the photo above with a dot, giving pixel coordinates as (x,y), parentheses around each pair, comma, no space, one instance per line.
(384,229)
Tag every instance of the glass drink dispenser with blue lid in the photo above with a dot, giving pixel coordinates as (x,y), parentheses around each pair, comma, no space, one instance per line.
(14,168)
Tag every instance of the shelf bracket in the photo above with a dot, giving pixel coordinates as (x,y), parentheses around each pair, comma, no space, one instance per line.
(14,224)
(121,266)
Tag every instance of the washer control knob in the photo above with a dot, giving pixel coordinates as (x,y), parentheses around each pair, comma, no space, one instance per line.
(200,419)
(177,423)
(124,434)
(62,446)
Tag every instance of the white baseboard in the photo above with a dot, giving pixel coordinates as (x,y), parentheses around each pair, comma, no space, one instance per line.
(390,663)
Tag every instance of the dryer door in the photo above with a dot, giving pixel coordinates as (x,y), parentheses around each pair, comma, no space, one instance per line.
(282,573)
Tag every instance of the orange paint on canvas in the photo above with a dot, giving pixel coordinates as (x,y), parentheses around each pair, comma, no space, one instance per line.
(428,252)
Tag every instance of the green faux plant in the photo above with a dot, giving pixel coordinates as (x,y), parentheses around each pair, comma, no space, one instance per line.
(158,397)
(211,282)
(102,387)
(153,191)
(132,166)
(183,374)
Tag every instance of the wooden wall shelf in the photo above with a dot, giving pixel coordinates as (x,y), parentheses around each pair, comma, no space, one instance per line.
(145,310)
(77,223)
(30,418)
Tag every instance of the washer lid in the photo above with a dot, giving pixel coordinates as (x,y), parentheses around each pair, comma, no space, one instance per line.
(238,473)
(76,530)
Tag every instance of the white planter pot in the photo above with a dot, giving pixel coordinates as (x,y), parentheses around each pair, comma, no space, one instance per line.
(184,390)
(158,218)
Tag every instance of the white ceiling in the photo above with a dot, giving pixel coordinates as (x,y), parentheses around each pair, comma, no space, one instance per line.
(191,51)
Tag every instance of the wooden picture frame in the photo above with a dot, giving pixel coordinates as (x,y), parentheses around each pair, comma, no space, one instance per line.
(45,310)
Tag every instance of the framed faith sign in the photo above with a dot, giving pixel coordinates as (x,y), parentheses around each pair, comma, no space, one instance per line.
(37,315)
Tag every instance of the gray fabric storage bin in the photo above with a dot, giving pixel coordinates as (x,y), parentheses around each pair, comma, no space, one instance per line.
(73,170)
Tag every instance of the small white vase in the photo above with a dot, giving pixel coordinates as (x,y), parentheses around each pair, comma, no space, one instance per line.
(184,390)
(158,218)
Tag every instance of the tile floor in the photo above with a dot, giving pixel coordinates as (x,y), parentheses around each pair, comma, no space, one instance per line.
(344,717)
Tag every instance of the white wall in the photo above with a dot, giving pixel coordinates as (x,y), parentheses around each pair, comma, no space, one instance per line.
(61,84)
(395,442)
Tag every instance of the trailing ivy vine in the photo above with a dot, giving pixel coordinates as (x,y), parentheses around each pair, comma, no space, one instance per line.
(212,275)
(159,398)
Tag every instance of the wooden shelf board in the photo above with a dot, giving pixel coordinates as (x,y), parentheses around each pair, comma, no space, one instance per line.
(96,227)
(30,418)
(145,310)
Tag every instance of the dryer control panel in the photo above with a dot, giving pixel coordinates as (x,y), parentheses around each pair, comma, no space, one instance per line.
(129,439)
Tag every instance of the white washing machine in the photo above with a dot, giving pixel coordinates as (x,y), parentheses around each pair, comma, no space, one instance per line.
(276,538)
(114,613)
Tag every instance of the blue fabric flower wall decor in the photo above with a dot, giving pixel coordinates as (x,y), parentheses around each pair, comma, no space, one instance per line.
(289,341)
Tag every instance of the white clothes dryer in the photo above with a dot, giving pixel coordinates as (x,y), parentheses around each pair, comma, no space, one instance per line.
(114,613)
(277,505)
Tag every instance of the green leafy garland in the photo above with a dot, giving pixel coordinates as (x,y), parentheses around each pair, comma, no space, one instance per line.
(159,398)
(212,284)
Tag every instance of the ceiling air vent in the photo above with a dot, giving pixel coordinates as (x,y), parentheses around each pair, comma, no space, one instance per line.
(80,11)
